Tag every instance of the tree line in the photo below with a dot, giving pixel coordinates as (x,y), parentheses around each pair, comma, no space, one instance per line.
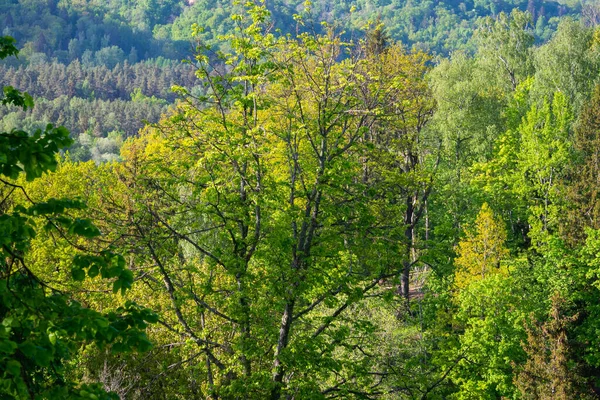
(94,103)
(138,30)
(53,80)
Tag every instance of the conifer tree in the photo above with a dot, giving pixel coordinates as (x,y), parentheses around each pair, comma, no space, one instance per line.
(376,39)
(583,181)
(548,374)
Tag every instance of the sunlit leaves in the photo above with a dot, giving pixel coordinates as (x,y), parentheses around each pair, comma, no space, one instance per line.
(480,254)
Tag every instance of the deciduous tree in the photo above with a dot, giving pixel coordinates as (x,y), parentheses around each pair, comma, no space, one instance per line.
(42,328)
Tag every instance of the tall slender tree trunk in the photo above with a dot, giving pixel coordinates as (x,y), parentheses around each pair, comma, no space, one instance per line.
(409,238)
(284,334)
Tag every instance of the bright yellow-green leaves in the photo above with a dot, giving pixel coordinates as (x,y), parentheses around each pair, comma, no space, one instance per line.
(263,213)
(481,252)
(545,150)
(530,161)
(487,317)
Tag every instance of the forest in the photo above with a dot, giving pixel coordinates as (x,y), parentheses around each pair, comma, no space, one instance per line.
(372,199)
(86,62)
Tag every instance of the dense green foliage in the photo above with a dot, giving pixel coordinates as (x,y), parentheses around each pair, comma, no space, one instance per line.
(121,29)
(94,101)
(321,214)
(434,26)
(43,328)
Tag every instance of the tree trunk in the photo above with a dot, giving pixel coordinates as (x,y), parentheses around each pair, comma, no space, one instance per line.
(409,237)
(284,332)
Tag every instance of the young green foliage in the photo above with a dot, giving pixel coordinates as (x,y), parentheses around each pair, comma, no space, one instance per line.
(269,210)
(42,329)
(481,253)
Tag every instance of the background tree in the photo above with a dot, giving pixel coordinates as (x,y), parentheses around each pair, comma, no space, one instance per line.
(568,64)
(547,373)
(505,45)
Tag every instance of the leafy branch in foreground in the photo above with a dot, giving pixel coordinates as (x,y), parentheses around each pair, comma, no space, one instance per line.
(42,328)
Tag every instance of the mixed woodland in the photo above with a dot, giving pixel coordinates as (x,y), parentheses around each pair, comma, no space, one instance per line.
(359,200)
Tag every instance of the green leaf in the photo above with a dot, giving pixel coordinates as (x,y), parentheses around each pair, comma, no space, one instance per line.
(7,346)
(144,344)
(102,322)
(27,348)
(13,367)
(43,357)
(85,228)
(7,47)
(78,274)
(93,271)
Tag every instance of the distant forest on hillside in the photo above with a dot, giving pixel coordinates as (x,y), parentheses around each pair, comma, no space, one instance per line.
(120,58)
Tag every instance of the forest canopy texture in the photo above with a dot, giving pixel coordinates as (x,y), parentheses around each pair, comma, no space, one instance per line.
(360,209)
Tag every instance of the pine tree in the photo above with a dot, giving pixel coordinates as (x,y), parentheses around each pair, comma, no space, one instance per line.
(547,374)
(376,38)
(583,181)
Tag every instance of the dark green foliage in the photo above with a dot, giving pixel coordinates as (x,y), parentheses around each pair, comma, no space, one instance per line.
(67,29)
(585,202)
(96,125)
(7,47)
(549,372)
(436,26)
(53,80)
(16,98)
(33,155)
